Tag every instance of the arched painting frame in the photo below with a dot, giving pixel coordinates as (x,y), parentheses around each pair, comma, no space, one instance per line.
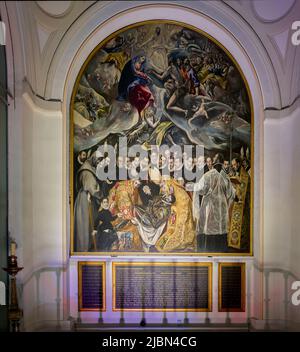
(165,83)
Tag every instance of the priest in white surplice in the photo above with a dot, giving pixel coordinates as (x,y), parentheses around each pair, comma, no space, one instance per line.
(212,215)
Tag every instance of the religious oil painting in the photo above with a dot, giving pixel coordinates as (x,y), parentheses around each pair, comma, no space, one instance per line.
(161,146)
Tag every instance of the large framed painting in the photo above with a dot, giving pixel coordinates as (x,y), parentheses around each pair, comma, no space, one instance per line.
(161,146)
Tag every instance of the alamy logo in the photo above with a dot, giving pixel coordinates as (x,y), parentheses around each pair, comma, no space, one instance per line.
(296,294)
(296,35)
(2,33)
(2,294)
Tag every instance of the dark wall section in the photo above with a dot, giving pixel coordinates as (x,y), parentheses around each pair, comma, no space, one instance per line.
(3,184)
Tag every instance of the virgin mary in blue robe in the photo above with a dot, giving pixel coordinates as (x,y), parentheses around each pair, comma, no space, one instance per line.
(133,84)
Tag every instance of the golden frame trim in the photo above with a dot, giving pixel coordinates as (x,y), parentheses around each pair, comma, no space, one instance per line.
(71,148)
(171,264)
(243,287)
(100,264)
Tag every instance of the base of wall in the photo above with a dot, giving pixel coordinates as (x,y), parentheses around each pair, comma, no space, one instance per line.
(160,327)
(75,326)
(48,326)
(274,325)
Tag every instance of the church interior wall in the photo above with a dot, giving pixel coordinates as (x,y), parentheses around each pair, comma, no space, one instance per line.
(38,157)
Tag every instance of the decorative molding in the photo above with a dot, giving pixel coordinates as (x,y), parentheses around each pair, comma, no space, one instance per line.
(51,43)
(39,101)
(281,41)
(272,113)
(214,17)
(55,9)
(43,35)
(285,67)
(271,11)
(41,110)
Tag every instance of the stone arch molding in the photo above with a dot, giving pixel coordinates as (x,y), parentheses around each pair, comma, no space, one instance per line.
(88,32)
(55,9)
(216,19)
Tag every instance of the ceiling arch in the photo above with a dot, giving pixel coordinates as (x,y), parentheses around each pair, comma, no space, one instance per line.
(52,40)
(238,38)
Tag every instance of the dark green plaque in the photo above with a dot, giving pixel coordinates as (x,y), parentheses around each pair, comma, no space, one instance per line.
(91,286)
(162,286)
(232,287)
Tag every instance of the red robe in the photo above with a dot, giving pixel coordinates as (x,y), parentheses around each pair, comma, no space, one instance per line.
(140,96)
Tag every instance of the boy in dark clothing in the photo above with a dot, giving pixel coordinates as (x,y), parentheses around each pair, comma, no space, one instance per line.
(105,233)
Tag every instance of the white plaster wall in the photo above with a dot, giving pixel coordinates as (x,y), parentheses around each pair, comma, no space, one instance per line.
(41,242)
(292,125)
(282,191)
(281,214)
